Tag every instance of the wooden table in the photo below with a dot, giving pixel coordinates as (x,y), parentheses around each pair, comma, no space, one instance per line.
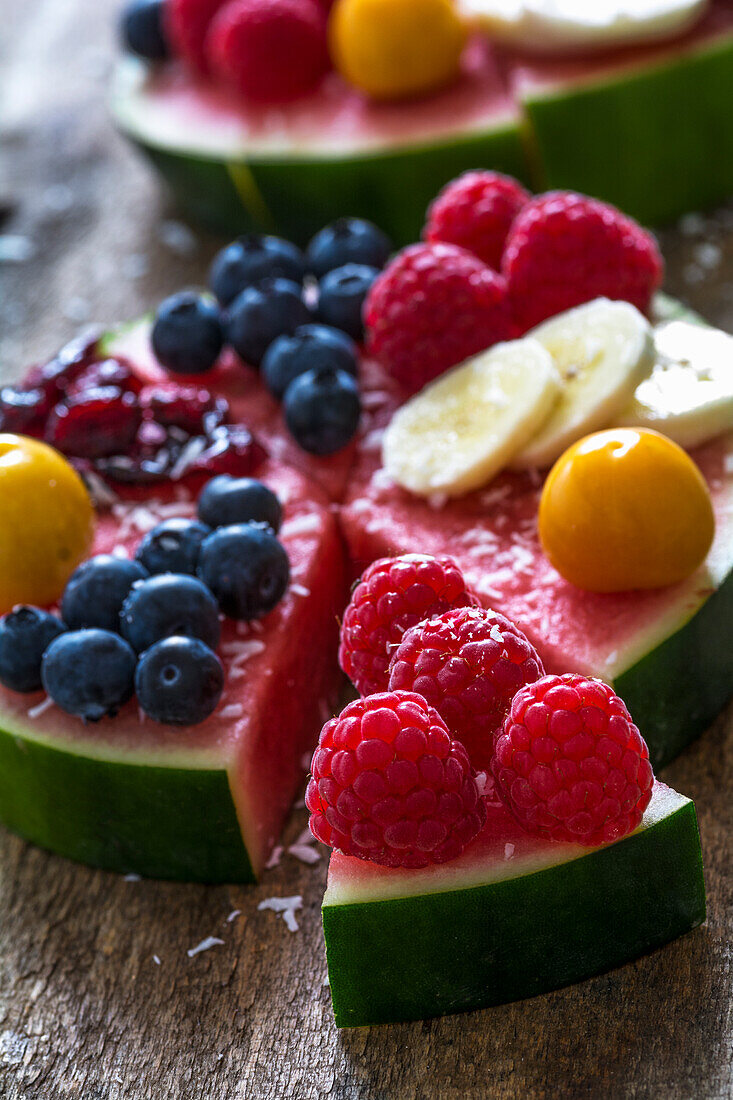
(86,1011)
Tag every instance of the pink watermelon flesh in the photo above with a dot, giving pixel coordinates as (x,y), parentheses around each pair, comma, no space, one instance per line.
(502,850)
(333,120)
(492,534)
(281,675)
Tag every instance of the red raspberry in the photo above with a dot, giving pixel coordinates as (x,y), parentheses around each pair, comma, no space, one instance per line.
(570,764)
(187,23)
(393,595)
(565,249)
(469,664)
(269,51)
(389,785)
(475,211)
(433,306)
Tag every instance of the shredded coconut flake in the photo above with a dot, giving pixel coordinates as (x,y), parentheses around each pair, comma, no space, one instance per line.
(300,590)
(233,710)
(156,960)
(132,877)
(301,525)
(205,945)
(40,708)
(233,915)
(508,851)
(274,859)
(304,853)
(287,907)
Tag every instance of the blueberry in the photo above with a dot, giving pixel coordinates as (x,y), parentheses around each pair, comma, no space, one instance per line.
(25,634)
(89,673)
(179,681)
(311,346)
(322,410)
(261,313)
(226,500)
(187,334)
(96,591)
(167,604)
(142,29)
(246,568)
(172,546)
(251,259)
(347,241)
(342,294)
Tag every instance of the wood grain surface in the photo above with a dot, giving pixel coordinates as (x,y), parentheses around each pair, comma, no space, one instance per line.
(86,1011)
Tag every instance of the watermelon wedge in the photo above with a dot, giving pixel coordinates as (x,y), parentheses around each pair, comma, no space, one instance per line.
(668,653)
(204,803)
(640,127)
(511,918)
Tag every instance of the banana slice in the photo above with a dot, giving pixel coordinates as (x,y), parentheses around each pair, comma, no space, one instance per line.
(463,428)
(602,350)
(689,394)
(551,26)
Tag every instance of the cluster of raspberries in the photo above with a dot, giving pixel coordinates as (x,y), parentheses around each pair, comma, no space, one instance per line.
(495,262)
(454,696)
(267,51)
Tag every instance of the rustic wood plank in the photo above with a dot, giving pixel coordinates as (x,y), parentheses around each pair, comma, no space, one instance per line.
(85,1010)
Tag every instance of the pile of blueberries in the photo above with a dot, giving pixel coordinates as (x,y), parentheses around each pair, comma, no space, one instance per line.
(296,316)
(151,625)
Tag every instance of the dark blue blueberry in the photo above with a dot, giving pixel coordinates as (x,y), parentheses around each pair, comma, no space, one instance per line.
(251,259)
(168,604)
(341,297)
(311,347)
(226,500)
(187,334)
(246,568)
(347,241)
(89,673)
(179,681)
(25,634)
(96,591)
(172,546)
(142,29)
(322,410)
(261,313)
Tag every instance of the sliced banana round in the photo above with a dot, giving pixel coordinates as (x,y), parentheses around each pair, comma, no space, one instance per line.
(689,394)
(550,26)
(602,350)
(463,428)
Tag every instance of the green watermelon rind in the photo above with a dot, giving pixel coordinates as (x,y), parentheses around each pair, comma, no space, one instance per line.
(170,822)
(430,954)
(293,194)
(655,141)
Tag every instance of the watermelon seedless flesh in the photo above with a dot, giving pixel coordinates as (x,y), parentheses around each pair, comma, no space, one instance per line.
(201,803)
(512,917)
(646,128)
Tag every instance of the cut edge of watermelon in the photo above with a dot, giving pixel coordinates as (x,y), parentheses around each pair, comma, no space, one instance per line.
(422,955)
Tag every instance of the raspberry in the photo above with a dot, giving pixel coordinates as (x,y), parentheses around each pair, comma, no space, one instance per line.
(389,785)
(565,249)
(187,23)
(570,764)
(467,663)
(475,211)
(269,51)
(432,307)
(393,595)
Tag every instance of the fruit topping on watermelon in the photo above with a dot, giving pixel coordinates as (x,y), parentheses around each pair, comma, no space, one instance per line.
(153,623)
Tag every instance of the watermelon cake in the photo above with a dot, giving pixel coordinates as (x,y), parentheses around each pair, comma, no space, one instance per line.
(351,354)
(635,119)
